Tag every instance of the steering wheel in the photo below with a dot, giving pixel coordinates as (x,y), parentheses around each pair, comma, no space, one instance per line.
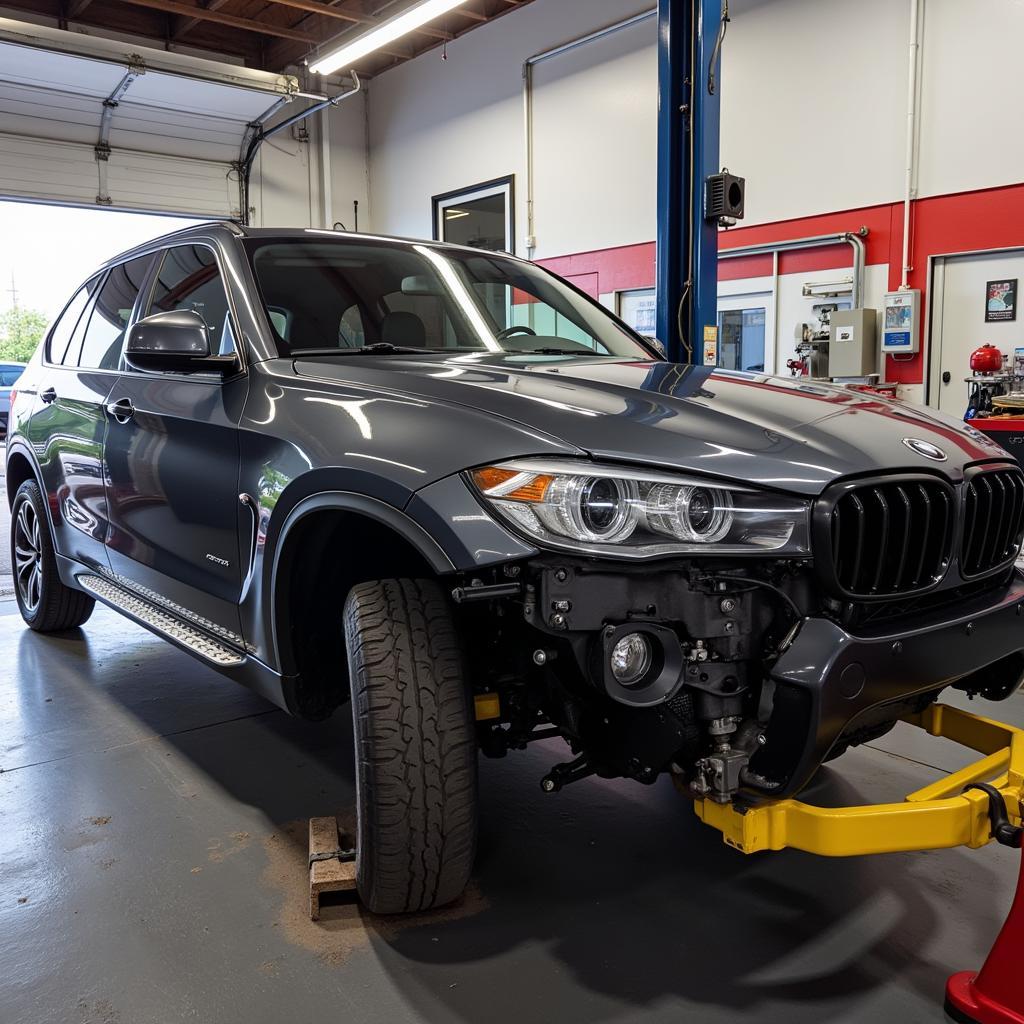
(509,331)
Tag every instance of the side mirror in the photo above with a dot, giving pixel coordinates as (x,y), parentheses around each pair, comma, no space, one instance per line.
(176,341)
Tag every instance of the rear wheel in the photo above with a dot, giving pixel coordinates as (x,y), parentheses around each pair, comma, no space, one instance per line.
(46,605)
(416,785)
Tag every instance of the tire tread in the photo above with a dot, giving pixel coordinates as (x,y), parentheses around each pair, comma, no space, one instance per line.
(415,747)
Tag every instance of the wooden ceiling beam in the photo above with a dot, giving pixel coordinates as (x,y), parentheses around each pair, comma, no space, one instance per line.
(189,23)
(231,20)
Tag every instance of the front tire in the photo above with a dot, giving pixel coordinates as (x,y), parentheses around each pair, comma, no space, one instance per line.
(46,605)
(415,744)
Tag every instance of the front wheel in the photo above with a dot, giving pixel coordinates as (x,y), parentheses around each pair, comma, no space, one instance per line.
(46,605)
(416,785)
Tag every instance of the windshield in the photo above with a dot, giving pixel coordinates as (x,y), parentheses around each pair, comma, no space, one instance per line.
(346,295)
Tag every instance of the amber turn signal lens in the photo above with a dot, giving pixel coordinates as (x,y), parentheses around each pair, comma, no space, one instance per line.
(533,490)
(491,476)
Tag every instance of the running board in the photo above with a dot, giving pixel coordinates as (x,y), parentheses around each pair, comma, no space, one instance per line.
(160,621)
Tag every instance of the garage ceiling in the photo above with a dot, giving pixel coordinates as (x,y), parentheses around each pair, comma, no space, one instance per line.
(267,34)
(124,126)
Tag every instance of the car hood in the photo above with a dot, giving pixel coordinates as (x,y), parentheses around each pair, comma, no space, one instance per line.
(785,433)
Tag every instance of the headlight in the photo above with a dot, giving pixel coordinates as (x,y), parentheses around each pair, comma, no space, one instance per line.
(633,513)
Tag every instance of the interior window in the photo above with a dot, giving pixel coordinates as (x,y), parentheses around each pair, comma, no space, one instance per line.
(511,307)
(60,336)
(189,278)
(101,346)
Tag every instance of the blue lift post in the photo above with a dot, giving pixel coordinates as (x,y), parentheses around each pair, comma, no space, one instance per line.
(688,151)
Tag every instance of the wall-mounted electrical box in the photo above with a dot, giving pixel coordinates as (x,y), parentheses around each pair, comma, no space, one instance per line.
(900,323)
(853,343)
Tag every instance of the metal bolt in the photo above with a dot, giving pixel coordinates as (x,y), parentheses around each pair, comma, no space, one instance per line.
(728,605)
(558,621)
(730,626)
(561,575)
(970,628)
(897,647)
(548,785)
(761,739)
(540,657)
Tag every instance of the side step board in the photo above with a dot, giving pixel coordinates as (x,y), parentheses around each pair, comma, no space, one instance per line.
(160,621)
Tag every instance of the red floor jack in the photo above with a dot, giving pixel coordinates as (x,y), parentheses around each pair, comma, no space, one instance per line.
(995,995)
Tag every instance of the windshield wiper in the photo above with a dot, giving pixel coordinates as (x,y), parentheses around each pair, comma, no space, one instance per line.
(380,348)
(548,352)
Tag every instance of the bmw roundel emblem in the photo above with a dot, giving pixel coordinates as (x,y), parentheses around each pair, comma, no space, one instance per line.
(925,448)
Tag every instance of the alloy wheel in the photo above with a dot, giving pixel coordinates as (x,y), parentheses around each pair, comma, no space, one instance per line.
(28,557)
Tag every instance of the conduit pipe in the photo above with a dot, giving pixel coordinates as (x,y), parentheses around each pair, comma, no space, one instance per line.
(908,195)
(855,239)
(259,134)
(528,65)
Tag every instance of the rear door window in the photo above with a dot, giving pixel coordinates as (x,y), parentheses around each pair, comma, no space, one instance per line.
(101,346)
(60,336)
(189,278)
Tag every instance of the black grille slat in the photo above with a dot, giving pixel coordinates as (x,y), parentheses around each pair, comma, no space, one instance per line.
(993,520)
(903,504)
(892,538)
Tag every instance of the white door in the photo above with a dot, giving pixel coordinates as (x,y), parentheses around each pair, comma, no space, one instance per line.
(959,326)
(746,332)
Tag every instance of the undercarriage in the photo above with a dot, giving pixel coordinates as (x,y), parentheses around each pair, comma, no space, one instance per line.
(739,680)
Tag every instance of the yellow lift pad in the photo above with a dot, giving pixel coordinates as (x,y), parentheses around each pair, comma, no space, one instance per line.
(937,817)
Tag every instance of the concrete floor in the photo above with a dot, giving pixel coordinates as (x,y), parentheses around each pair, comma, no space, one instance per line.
(153,869)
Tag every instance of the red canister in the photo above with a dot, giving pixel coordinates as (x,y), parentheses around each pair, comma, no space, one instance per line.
(987,359)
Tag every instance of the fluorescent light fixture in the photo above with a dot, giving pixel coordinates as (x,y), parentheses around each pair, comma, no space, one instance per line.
(347,54)
(455,214)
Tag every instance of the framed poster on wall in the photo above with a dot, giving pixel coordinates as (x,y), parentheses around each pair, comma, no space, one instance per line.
(1000,300)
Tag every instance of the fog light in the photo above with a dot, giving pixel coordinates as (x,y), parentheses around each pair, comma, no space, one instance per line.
(631,659)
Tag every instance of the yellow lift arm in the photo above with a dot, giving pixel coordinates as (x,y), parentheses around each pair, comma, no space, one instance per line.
(939,816)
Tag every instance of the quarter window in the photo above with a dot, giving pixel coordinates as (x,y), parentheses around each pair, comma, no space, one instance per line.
(64,328)
(101,347)
(189,278)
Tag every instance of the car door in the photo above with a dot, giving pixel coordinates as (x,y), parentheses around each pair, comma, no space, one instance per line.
(171,460)
(69,423)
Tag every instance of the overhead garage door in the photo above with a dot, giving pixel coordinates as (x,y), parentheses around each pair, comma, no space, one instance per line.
(122,126)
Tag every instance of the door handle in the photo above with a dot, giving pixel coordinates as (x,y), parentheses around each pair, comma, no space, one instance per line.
(48,396)
(946,377)
(122,410)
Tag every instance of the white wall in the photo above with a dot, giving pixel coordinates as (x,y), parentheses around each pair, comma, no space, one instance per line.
(813,113)
(437,126)
(973,82)
(814,104)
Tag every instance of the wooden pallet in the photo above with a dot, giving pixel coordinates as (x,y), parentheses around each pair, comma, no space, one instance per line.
(332,864)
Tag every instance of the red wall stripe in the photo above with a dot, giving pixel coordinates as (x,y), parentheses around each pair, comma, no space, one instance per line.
(960,222)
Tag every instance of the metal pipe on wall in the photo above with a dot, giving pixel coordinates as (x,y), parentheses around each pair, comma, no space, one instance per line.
(908,196)
(855,239)
(528,66)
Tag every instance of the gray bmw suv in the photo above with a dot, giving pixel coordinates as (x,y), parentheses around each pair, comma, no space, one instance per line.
(446,487)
